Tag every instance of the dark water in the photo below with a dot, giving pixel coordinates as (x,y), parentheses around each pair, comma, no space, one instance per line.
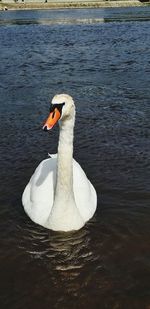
(105,66)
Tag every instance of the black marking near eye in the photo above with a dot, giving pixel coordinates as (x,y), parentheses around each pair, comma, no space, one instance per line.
(53,114)
(58,106)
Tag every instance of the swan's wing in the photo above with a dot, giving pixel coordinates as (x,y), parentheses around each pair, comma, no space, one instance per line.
(84,192)
(38,195)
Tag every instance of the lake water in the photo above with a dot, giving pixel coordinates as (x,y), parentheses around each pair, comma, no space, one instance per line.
(102,58)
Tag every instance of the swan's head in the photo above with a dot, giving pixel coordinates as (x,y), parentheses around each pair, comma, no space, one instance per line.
(61,108)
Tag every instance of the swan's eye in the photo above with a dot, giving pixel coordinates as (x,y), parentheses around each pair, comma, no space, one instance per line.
(60,106)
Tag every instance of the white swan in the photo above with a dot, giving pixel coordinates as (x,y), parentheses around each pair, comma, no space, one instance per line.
(59,195)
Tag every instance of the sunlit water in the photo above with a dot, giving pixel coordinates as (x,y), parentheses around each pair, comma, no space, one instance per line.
(101,58)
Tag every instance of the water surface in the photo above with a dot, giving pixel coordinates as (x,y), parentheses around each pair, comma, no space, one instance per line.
(105,66)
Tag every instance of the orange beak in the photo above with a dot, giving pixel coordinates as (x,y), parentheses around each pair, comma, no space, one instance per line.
(52,120)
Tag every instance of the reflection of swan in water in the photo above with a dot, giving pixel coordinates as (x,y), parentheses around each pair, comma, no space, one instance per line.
(62,264)
(65,253)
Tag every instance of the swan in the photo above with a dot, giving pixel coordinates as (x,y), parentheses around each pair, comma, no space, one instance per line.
(59,195)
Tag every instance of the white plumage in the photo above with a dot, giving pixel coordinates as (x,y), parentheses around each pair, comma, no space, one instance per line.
(59,195)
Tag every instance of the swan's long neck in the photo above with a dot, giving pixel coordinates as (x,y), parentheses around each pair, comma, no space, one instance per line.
(64,182)
(65,215)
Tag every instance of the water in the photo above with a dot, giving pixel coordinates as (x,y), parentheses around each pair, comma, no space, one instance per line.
(105,66)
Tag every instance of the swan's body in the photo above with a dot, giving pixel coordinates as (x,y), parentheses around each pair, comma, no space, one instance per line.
(59,195)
